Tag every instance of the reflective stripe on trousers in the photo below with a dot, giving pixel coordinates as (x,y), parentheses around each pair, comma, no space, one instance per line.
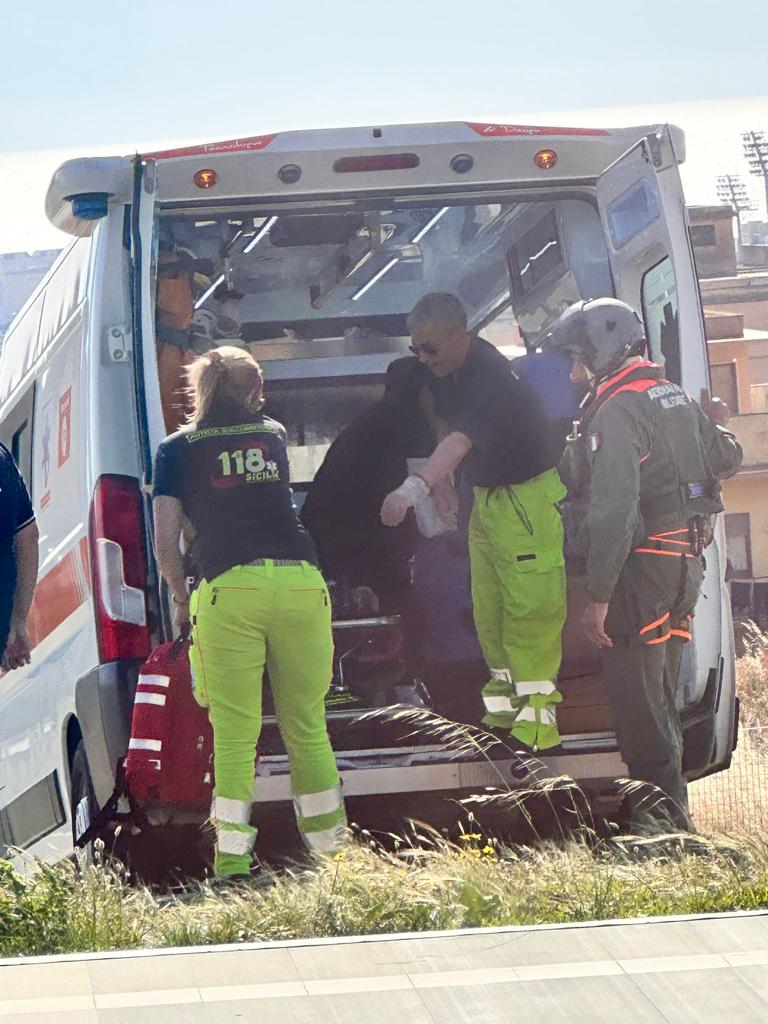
(546,716)
(235,842)
(499,697)
(321,819)
(234,834)
(326,841)
(495,702)
(231,812)
(525,688)
(313,805)
(493,705)
(536,722)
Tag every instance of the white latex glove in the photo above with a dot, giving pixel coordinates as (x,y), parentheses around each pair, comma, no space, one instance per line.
(397,502)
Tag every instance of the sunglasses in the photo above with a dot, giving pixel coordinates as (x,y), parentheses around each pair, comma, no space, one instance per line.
(427,350)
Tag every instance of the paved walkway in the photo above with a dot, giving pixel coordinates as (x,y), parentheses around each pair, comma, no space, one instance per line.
(667,971)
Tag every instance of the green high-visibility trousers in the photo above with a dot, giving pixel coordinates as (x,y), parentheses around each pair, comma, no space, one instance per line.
(278,616)
(518,595)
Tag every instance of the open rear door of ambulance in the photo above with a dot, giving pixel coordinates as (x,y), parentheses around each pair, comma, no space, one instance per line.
(151,427)
(144,266)
(642,207)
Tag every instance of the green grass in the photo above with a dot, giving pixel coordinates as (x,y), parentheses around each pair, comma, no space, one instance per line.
(432,885)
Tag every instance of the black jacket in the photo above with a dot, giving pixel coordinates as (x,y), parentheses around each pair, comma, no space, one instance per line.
(341,510)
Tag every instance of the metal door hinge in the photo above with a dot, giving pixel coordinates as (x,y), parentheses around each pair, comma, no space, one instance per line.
(119,343)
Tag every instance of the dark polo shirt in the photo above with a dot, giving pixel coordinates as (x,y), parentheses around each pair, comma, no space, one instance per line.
(234,487)
(512,439)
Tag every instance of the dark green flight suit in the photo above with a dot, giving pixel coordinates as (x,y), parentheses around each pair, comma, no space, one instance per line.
(652,460)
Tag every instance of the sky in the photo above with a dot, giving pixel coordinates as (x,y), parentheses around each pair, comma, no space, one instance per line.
(113,77)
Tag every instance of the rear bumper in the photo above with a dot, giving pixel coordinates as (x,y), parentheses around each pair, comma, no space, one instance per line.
(390,772)
(104,704)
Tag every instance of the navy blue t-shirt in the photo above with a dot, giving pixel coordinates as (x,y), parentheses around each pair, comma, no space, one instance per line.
(234,487)
(15,513)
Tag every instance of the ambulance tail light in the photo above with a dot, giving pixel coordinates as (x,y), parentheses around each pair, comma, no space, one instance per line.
(119,568)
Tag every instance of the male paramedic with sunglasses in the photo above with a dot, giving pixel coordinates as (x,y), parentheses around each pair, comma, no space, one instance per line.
(505,449)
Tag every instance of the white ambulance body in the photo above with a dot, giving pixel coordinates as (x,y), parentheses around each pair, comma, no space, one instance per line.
(329,238)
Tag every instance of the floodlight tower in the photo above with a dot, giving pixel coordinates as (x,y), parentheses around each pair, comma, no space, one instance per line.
(756,152)
(732,191)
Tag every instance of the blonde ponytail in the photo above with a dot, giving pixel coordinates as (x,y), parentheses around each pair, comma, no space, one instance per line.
(221,379)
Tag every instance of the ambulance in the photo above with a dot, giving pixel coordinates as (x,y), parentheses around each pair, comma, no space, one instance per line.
(317,244)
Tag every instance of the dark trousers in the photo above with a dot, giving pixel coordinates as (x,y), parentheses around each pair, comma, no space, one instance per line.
(648,623)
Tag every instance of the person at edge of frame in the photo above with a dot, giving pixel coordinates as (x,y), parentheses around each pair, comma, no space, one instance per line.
(647,461)
(501,441)
(19,557)
(226,474)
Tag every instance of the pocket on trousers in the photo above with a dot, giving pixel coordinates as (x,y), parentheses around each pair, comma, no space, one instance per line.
(538,561)
(307,598)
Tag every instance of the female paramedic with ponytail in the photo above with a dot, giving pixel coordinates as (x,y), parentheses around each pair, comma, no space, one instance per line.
(260,601)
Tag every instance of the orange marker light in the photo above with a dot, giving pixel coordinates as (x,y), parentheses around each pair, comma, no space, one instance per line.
(206,178)
(545,159)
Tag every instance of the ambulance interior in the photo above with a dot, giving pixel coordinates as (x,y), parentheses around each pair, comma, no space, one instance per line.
(321,296)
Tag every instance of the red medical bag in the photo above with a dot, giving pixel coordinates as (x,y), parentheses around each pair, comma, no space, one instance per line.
(169,759)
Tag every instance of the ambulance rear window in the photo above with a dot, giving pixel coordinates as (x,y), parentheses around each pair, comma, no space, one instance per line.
(634,210)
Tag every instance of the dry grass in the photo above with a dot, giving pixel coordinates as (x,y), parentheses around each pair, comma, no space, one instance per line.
(426,885)
(752,688)
(738,798)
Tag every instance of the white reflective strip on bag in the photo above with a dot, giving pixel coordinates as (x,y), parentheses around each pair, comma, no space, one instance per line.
(237,843)
(234,812)
(327,841)
(526,688)
(139,744)
(154,680)
(312,805)
(546,716)
(495,704)
(501,675)
(150,698)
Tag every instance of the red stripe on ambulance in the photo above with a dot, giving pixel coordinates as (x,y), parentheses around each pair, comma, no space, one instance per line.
(524,130)
(60,593)
(250,145)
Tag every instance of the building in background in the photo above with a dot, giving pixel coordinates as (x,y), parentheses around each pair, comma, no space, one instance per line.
(20,273)
(732,279)
(734,289)
(755,232)
(739,370)
(714,245)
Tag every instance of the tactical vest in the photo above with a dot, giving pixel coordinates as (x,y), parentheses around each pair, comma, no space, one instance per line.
(676,481)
